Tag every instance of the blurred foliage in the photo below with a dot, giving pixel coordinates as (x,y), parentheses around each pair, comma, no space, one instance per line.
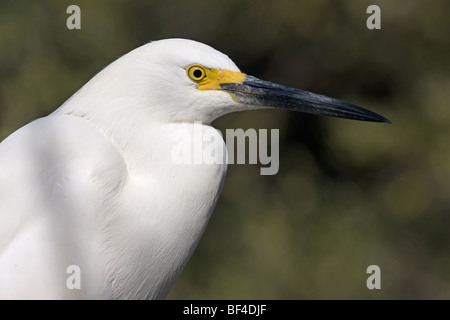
(348,194)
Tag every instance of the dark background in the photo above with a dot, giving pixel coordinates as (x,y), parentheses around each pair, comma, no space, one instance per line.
(348,194)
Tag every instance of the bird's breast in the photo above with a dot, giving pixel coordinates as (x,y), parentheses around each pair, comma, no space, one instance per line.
(174,183)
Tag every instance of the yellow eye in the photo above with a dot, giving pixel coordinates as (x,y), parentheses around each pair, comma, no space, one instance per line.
(196,72)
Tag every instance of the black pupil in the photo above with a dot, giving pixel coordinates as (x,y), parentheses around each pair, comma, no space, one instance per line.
(197,73)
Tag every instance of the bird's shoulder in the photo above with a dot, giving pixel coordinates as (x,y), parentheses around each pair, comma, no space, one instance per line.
(54,164)
(58,145)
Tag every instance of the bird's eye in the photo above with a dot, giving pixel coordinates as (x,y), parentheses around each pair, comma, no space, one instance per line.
(196,72)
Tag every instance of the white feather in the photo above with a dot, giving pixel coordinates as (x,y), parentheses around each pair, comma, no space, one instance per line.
(94,185)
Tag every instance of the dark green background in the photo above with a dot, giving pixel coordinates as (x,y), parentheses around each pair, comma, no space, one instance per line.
(348,194)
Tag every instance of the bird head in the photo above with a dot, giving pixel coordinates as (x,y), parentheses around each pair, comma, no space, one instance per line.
(178,80)
(206,84)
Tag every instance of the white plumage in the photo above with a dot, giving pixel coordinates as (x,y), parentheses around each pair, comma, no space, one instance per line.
(94,185)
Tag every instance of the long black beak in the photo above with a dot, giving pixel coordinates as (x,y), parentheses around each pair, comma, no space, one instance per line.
(257,92)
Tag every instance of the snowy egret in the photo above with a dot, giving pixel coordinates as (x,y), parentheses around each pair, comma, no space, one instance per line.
(90,190)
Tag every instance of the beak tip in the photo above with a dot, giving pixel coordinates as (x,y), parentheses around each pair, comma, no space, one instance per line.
(385,120)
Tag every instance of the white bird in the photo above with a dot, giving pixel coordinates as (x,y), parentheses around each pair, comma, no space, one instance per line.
(94,184)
